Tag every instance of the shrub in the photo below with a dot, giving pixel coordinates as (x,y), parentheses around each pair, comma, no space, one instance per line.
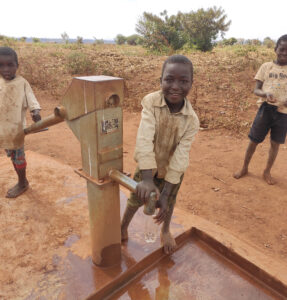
(79,63)
(35,40)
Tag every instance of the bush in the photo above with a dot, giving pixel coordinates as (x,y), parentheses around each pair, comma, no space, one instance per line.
(35,40)
(80,63)
(120,39)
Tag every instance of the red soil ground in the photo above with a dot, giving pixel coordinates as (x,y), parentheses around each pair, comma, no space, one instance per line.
(248,208)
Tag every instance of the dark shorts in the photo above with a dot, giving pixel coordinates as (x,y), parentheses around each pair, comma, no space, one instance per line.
(268,118)
(17,157)
(133,200)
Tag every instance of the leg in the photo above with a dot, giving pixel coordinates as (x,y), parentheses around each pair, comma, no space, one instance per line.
(167,240)
(19,163)
(127,217)
(21,186)
(273,151)
(248,155)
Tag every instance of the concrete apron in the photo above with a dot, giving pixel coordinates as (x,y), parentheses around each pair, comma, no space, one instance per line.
(209,263)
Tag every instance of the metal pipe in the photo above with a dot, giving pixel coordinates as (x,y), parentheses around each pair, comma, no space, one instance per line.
(57,117)
(119,177)
(122,179)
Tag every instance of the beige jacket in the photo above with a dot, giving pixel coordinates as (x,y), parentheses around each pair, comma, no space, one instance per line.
(164,139)
(15,97)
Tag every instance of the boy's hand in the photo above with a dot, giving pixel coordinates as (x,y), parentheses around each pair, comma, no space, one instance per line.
(144,188)
(270,98)
(36,115)
(162,205)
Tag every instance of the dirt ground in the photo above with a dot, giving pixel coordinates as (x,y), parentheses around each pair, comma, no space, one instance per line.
(248,208)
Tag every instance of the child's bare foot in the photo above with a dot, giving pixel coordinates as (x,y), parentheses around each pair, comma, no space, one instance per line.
(124,235)
(17,190)
(268,178)
(168,242)
(241,173)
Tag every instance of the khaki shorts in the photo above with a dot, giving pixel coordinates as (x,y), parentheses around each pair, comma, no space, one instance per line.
(134,201)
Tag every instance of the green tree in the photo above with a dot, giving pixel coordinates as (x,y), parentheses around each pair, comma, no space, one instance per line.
(204,26)
(35,40)
(98,41)
(161,33)
(268,42)
(79,40)
(253,42)
(120,39)
(65,37)
(197,29)
(229,42)
(133,39)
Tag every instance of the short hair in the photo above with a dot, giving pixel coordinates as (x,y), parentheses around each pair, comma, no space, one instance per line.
(282,38)
(9,52)
(178,59)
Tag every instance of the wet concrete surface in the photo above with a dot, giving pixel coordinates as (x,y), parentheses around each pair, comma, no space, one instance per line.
(194,272)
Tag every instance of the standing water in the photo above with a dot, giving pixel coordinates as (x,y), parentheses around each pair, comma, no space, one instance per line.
(151,229)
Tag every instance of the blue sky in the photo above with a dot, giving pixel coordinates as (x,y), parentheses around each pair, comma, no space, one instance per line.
(107,18)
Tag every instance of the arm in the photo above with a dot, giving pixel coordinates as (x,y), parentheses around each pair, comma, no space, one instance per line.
(259,92)
(144,152)
(32,103)
(178,164)
(162,203)
(180,158)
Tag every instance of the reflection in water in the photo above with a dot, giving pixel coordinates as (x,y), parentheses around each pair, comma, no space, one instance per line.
(162,291)
(148,287)
(194,272)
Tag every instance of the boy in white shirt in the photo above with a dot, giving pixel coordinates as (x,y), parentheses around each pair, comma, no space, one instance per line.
(16,96)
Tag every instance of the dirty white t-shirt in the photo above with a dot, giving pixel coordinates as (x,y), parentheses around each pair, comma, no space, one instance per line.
(274,78)
(15,97)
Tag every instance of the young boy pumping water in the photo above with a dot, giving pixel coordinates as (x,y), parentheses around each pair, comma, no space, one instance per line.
(167,128)
(271,87)
(16,96)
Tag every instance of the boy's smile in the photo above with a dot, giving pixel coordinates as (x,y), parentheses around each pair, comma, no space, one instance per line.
(8,67)
(176,82)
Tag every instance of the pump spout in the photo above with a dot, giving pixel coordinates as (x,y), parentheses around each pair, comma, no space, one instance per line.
(58,116)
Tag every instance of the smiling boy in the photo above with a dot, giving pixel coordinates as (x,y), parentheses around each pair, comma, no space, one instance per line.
(167,128)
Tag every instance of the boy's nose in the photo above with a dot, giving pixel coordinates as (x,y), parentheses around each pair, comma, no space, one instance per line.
(175,85)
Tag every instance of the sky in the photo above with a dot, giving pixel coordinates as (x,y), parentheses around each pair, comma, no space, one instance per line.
(250,19)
